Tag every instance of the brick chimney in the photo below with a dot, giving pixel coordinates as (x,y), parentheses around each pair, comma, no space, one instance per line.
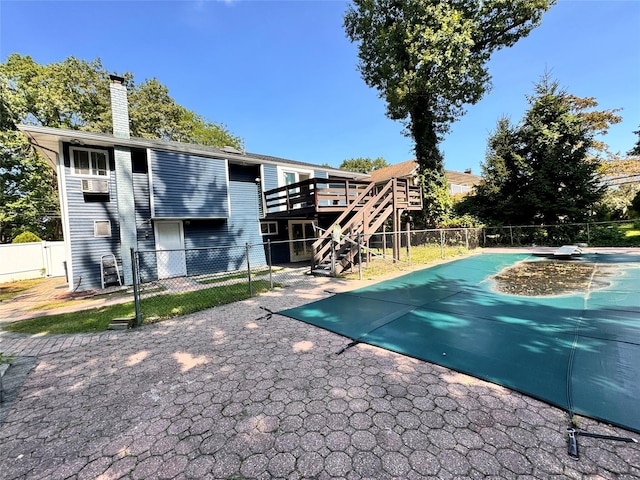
(119,107)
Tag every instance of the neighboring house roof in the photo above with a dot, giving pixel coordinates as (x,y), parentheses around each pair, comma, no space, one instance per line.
(399,170)
(463,178)
(48,140)
(410,168)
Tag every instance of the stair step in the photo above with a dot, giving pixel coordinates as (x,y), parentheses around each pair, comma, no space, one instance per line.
(322,272)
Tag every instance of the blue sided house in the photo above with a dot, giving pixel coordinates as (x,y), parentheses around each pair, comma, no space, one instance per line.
(119,193)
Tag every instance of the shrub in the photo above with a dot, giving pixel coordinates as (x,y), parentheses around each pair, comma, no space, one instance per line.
(26,237)
(602,236)
(465,221)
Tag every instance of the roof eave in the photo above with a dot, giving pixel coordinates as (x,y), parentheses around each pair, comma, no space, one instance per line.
(42,138)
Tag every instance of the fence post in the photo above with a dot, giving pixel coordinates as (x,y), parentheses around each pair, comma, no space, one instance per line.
(409,243)
(384,241)
(511,234)
(270,265)
(359,256)
(441,243)
(466,238)
(588,235)
(333,257)
(249,270)
(136,288)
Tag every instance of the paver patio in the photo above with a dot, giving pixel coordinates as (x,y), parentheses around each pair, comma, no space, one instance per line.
(233,393)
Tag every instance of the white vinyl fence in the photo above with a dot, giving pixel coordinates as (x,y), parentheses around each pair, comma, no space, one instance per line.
(21,261)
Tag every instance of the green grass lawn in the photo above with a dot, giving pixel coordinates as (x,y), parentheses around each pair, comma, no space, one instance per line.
(422,255)
(616,235)
(154,309)
(631,233)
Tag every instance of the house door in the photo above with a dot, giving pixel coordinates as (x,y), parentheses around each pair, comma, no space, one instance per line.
(170,249)
(302,235)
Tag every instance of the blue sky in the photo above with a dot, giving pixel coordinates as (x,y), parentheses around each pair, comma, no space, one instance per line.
(282,75)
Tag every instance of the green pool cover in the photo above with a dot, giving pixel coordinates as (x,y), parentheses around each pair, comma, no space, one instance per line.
(580,352)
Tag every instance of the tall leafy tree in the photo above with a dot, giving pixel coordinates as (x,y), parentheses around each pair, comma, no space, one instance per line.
(546,169)
(636,148)
(74,94)
(428,58)
(28,198)
(622,175)
(363,165)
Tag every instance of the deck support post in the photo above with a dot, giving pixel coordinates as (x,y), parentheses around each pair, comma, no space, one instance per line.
(384,241)
(396,224)
(409,242)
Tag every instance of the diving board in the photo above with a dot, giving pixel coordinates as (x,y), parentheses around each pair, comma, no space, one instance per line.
(567,251)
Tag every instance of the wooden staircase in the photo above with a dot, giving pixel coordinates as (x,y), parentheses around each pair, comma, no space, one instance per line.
(364,217)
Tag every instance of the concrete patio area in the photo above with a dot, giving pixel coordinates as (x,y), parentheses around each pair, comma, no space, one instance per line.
(235,393)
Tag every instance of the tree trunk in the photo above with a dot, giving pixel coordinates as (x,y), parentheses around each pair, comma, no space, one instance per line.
(423,131)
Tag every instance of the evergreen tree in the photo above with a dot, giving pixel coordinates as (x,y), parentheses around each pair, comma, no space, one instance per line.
(546,169)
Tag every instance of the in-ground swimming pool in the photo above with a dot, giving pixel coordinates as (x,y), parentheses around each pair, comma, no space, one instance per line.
(577,350)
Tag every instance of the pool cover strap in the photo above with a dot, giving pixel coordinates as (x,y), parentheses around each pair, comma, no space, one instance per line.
(574,451)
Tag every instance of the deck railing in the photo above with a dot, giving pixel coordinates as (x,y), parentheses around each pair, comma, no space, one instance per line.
(332,195)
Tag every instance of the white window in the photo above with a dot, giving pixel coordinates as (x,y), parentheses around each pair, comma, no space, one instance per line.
(290,177)
(86,161)
(102,228)
(287,176)
(269,228)
(456,189)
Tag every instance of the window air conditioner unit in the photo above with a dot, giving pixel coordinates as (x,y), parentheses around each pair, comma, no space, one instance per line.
(95,186)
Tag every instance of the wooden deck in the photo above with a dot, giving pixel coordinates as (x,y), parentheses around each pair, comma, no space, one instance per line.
(319,195)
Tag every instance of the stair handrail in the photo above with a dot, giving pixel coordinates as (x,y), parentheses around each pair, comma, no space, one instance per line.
(345,213)
(378,198)
(378,201)
(353,242)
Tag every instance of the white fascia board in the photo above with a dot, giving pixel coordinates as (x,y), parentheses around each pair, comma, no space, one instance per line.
(262,178)
(64,213)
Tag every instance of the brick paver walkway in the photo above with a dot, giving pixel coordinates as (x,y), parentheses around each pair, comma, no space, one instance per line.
(230,393)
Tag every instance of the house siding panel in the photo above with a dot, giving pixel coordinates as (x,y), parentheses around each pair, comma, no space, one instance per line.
(187,186)
(270,180)
(242,227)
(144,227)
(206,244)
(86,249)
(244,222)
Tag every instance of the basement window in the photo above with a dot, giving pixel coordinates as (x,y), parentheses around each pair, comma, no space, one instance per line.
(102,228)
(269,228)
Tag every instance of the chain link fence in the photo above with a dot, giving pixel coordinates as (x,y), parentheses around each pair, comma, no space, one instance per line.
(594,234)
(384,252)
(169,283)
